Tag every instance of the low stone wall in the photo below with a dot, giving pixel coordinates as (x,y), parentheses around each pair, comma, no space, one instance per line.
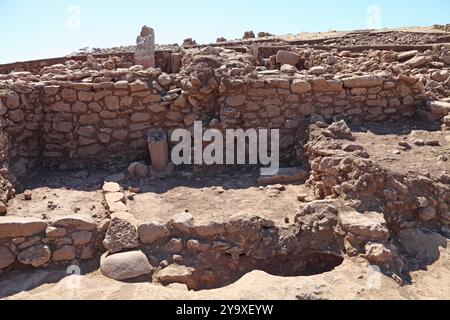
(105,121)
(38,243)
(162,58)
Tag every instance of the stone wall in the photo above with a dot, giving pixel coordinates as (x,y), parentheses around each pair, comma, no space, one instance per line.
(105,121)
(162,58)
(38,243)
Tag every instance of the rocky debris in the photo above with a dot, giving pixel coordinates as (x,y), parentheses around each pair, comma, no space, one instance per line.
(145,48)
(125,265)
(7,258)
(176,274)
(122,233)
(221,39)
(285,176)
(36,256)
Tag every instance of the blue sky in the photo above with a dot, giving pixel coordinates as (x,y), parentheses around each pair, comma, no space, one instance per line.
(33,29)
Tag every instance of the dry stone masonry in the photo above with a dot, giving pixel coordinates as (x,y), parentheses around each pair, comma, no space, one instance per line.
(113,110)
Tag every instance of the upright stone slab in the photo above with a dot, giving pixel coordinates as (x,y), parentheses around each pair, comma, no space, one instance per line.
(158,148)
(145,49)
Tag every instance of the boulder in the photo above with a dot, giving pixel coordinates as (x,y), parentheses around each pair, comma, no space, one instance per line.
(125,265)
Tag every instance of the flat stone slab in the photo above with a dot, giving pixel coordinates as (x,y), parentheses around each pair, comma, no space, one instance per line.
(175,274)
(285,175)
(77,222)
(14,227)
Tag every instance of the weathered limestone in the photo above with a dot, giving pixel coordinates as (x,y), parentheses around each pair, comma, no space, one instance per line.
(145,50)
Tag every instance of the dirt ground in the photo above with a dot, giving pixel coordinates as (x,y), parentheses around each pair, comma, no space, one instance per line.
(208,197)
(216,200)
(407,147)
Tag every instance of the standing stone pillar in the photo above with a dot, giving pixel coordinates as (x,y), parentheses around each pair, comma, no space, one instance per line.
(145,50)
(158,148)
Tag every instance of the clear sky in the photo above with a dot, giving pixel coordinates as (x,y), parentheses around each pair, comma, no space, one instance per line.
(34,29)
